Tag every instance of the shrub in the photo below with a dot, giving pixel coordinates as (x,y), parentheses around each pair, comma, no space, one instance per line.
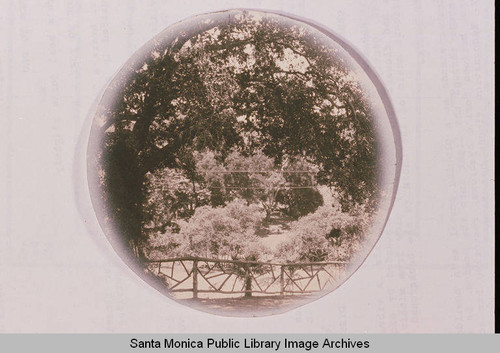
(327,234)
(222,231)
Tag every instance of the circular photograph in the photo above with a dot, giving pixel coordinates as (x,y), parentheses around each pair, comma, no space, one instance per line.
(244,163)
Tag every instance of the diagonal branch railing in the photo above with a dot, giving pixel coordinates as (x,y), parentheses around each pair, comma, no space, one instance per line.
(248,278)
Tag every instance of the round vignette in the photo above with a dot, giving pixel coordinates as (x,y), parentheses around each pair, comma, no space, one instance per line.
(395,143)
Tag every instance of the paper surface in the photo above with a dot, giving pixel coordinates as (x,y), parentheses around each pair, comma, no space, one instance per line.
(431,271)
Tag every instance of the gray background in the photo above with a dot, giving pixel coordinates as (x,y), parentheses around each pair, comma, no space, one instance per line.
(431,271)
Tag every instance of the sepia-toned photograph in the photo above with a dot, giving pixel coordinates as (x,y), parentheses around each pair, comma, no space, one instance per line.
(279,175)
(244,163)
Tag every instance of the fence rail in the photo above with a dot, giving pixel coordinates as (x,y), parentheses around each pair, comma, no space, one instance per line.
(209,277)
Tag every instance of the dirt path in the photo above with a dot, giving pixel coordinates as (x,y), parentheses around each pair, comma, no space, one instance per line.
(275,232)
(278,231)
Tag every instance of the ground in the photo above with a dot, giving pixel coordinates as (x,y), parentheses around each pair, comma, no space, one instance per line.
(274,232)
(253,306)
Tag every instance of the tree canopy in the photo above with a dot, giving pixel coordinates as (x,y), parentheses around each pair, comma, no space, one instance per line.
(245,83)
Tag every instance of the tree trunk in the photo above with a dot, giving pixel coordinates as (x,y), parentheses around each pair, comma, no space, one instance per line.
(268,215)
(248,285)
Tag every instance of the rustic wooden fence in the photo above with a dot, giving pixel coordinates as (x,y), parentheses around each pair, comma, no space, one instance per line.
(203,276)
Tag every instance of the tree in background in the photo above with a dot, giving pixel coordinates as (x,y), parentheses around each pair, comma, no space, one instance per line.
(256,178)
(301,197)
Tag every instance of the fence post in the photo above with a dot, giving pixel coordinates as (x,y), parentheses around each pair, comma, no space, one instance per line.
(282,281)
(195,279)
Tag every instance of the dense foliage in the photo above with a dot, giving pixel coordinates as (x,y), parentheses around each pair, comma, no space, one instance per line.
(254,94)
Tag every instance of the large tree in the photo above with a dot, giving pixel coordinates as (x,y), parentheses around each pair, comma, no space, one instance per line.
(238,81)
